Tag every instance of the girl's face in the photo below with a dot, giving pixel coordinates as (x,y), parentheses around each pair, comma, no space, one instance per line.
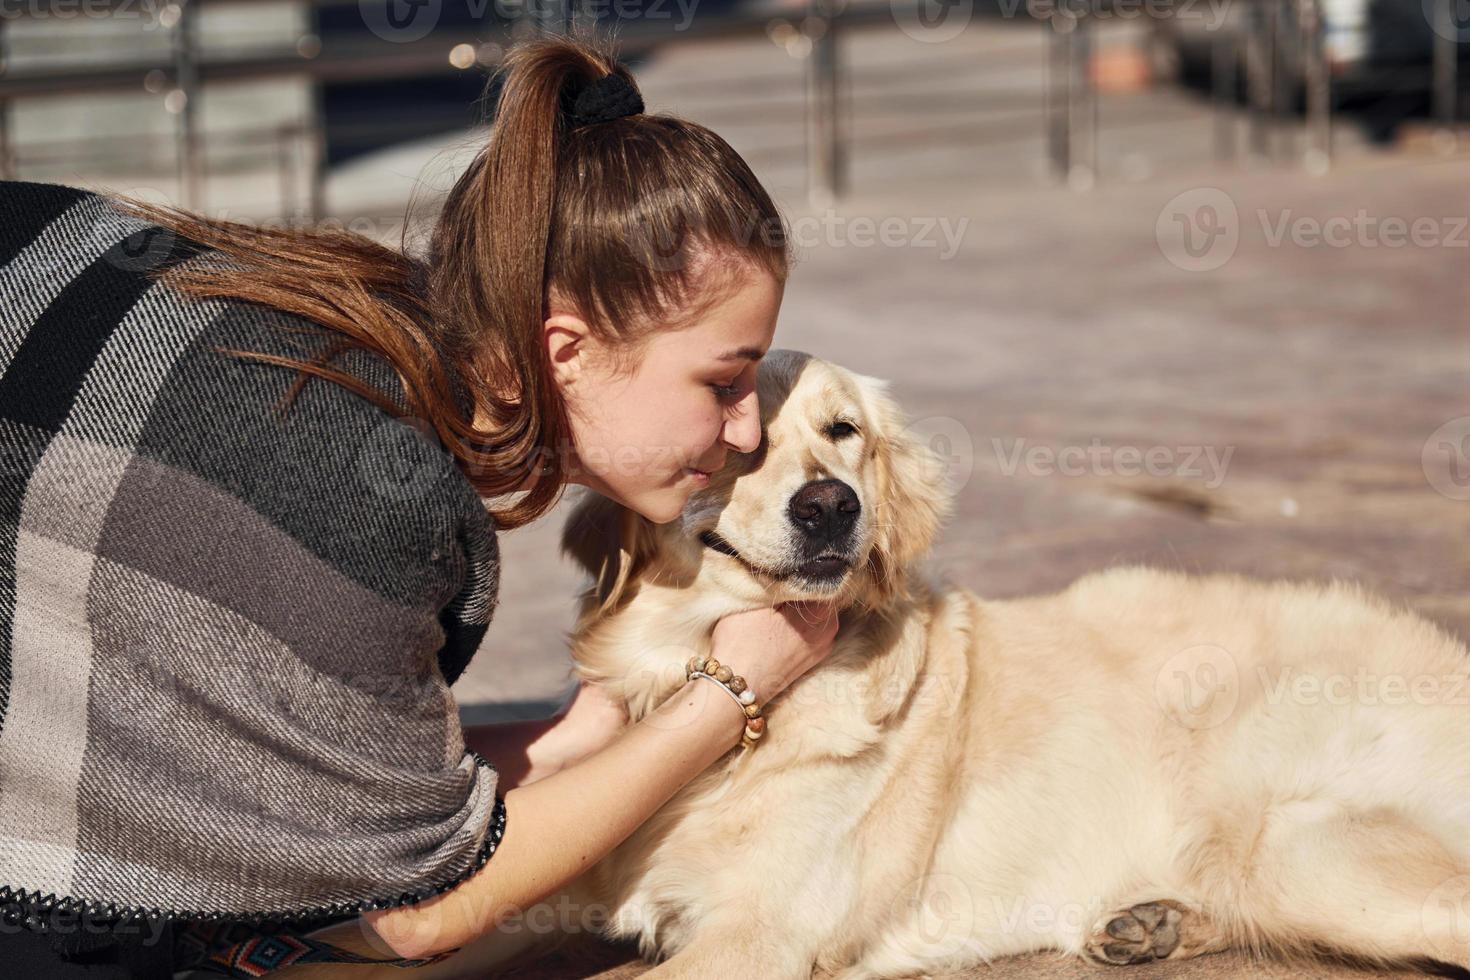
(691,400)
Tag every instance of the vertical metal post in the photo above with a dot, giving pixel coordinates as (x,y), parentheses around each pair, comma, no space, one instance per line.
(1224,58)
(841,83)
(314,141)
(1071,97)
(826,160)
(8,168)
(1282,78)
(1318,155)
(1082,113)
(1446,69)
(1260,69)
(189,153)
(286,139)
(7,159)
(1059,95)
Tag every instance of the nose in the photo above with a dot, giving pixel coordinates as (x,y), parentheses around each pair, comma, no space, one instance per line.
(743,432)
(825,510)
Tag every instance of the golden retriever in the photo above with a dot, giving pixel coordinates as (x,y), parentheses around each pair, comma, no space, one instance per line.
(1146,765)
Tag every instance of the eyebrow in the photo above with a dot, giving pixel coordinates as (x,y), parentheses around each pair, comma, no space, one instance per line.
(745,353)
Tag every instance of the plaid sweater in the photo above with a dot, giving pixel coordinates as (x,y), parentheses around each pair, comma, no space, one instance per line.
(226,640)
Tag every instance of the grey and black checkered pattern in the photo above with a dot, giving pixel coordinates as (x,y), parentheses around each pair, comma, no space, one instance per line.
(226,637)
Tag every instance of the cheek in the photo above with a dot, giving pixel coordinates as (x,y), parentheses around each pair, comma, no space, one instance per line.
(670,435)
(713,423)
(672,428)
(696,422)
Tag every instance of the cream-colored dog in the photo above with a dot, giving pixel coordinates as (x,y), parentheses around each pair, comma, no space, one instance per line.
(1144,766)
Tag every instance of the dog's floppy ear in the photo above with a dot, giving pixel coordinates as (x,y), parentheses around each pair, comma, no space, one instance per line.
(611,543)
(913,494)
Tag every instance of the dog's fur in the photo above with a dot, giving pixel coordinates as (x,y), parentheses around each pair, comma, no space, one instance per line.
(1136,767)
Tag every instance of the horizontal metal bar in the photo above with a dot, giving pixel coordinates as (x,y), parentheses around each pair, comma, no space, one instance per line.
(369,61)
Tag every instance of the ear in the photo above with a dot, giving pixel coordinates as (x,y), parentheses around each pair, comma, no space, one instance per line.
(567,339)
(914,498)
(612,544)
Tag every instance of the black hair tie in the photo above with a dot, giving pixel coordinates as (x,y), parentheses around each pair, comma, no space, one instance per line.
(604,99)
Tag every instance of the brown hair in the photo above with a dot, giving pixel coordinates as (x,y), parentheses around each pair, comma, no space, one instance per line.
(640,223)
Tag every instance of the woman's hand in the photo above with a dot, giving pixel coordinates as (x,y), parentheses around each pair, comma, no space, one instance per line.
(772,647)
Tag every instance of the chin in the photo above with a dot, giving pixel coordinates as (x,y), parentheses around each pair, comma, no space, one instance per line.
(658,507)
(664,510)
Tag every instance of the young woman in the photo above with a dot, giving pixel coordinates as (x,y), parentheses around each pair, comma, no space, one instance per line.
(243,549)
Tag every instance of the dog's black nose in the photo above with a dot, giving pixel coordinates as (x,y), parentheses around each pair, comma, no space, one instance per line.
(825,510)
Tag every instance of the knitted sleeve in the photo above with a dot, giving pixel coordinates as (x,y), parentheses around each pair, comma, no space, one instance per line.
(226,637)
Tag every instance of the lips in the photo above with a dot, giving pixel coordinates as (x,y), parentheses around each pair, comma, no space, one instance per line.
(823,566)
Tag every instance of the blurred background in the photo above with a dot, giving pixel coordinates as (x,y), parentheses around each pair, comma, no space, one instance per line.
(1176,281)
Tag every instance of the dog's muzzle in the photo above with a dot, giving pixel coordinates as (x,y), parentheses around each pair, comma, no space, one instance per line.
(822,570)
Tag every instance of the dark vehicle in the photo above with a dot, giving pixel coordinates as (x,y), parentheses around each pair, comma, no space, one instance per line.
(1379,53)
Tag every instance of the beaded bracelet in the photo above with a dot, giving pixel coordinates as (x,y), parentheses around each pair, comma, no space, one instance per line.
(734,685)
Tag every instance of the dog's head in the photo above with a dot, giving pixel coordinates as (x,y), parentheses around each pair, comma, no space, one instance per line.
(837,503)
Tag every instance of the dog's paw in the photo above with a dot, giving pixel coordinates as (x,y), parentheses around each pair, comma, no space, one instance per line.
(1138,934)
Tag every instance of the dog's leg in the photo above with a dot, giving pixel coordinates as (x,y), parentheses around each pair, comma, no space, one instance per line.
(1165,928)
(1369,884)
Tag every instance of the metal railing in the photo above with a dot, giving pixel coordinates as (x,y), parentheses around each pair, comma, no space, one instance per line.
(1070,109)
(185,73)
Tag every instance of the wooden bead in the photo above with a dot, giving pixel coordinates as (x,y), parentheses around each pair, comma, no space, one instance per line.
(755,724)
(723,673)
(696,662)
(711,665)
(737,684)
(752,711)
(753,736)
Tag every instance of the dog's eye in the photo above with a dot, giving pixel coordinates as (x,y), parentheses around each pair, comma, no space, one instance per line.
(841,430)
